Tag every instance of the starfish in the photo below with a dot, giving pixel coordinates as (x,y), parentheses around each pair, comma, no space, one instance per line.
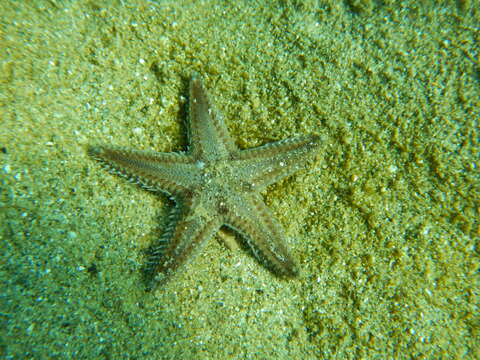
(214,184)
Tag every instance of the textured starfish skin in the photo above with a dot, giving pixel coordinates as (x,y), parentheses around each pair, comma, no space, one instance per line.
(214,184)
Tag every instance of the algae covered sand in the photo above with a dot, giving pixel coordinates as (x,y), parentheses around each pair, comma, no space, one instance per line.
(384,224)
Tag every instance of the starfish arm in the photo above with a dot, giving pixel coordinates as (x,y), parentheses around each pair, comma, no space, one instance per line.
(272,162)
(262,234)
(186,233)
(172,173)
(208,135)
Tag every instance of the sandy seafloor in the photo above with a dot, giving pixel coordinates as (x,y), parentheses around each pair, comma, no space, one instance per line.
(384,224)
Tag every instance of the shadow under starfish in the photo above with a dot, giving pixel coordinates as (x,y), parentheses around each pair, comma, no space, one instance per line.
(213,184)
